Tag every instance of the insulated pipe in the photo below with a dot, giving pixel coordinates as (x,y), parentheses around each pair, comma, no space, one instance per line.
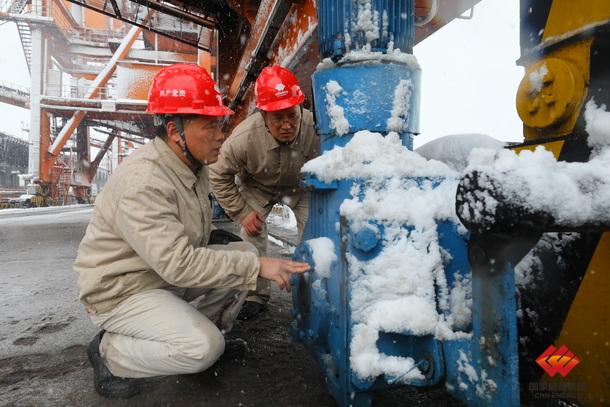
(492,204)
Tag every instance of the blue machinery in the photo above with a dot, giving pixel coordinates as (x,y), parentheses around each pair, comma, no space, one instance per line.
(322,316)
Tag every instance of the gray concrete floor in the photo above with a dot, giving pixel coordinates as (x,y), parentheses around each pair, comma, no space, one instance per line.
(44,331)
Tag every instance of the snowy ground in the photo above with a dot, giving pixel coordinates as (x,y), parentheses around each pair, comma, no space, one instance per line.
(44,331)
(39,299)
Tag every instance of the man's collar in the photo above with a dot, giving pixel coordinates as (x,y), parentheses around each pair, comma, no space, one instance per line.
(179,167)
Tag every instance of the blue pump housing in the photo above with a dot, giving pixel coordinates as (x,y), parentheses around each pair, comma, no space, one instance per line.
(321,301)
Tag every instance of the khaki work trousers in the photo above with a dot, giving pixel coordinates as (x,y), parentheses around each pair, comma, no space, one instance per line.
(158,332)
(301,213)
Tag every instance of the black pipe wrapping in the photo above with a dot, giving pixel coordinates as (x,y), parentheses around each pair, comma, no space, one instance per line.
(483,206)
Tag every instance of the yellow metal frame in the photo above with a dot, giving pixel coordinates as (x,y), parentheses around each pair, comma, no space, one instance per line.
(586,329)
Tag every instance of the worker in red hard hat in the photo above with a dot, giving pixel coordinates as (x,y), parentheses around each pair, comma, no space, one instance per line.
(260,166)
(150,275)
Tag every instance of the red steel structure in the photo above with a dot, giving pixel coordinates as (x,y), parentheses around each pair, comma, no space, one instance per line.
(91,62)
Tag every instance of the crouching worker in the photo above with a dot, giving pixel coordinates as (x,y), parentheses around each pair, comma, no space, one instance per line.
(260,165)
(148,275)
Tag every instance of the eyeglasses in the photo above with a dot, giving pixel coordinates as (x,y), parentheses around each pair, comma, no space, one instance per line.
(290,118)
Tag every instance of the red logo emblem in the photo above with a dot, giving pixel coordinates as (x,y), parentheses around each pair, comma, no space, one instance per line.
(555,360)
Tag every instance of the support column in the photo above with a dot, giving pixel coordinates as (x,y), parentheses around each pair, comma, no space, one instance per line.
(35,92)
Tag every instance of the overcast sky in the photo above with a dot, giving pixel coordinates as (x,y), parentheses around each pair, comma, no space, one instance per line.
(13,70)
(469,75)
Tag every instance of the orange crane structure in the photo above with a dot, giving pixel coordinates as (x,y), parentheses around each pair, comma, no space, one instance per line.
(91,71)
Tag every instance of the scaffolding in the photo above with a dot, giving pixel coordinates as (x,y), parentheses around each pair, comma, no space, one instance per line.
(85,57)
(89,76)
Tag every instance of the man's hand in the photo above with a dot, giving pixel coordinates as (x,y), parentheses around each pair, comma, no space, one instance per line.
(253,223)
(279,270)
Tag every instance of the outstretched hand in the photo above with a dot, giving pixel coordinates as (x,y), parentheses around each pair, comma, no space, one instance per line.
(279,270)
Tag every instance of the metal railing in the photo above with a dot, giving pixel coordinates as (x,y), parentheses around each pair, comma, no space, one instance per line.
(15,89)
(14,94)
(80,92)
(35,8)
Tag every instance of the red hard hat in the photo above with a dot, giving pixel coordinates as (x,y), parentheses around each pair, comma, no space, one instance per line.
(277,88)
(185,89)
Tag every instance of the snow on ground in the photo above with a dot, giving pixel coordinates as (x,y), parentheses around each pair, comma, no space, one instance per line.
(42,210)
(39,310)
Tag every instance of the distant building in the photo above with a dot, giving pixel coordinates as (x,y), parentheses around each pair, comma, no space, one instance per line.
(13,160)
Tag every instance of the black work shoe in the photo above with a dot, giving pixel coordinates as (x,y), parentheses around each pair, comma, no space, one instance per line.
(235,347)
(250,310)
(106,384)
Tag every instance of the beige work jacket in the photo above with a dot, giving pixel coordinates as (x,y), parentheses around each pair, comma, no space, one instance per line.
(255,171)
(149,230)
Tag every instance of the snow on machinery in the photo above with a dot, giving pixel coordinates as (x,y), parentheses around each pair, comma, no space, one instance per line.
(401,292)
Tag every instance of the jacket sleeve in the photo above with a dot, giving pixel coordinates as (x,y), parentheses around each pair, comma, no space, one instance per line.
(222,181)
(146,218)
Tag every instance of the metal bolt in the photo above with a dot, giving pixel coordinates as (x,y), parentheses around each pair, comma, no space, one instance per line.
(365,239)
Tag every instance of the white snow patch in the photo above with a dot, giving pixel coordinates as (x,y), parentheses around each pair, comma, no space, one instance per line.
(371,155)
(361,56)
(338,122)
(400,109)
(385,22)
(461,302)
(580,192)
(536,78)
(396,290)
(367,21)
(286,56)
(455,149)
(368,362)
(43,210)
(347,40)
(484,387)
(466,368)
(598,125)
(323,253)
(368,56)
